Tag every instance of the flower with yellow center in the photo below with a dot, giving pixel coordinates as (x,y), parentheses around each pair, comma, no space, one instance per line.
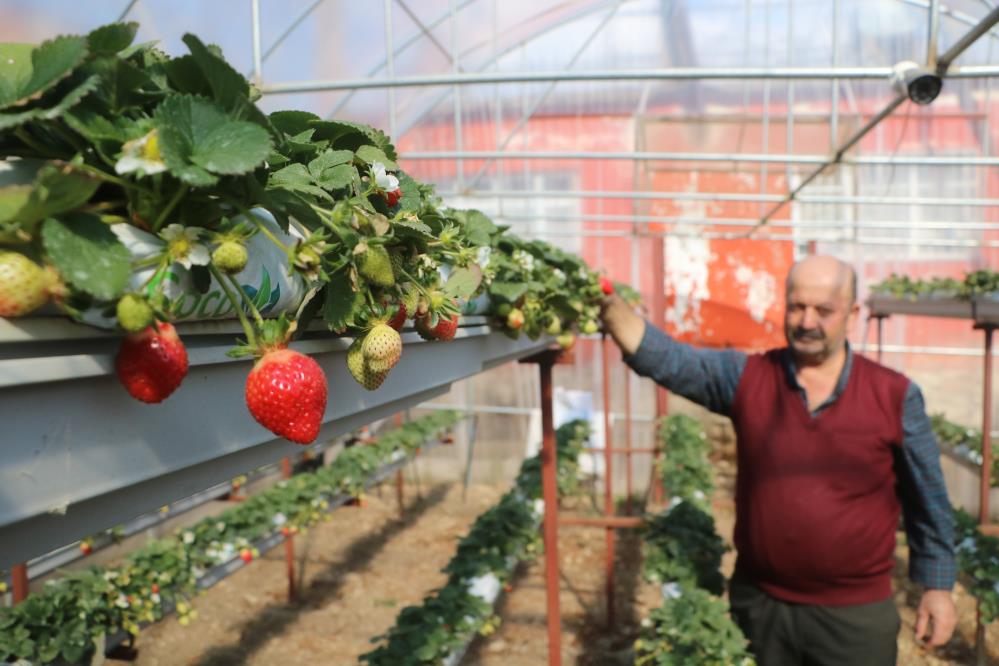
(141,155)
(183,246)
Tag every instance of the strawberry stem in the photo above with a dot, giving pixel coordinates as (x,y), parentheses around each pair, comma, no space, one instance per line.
(260,225)
(174,200)
(249,301)
(251,338)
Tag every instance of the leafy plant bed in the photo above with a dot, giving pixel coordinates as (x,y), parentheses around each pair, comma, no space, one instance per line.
(439,631)
(63,621)
(978,562)
(964,443)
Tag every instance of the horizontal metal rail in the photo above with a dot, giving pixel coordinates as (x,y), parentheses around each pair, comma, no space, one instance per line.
(751,158)
(664,74)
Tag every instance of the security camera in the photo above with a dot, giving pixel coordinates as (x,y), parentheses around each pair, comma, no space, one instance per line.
(922,85)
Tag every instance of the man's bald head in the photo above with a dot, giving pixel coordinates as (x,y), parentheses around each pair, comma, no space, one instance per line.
(821,269)
(821,306)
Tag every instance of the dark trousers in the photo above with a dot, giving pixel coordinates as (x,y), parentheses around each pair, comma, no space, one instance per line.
(786,634)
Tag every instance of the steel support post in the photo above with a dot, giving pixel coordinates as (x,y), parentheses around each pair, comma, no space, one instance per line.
(549,489)
(608,478)
(881,326)
(289,541)
(985,486)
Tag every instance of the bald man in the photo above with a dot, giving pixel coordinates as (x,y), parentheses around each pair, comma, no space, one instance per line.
(831,447)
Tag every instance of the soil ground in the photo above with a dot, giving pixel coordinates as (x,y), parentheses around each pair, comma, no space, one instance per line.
(367,563)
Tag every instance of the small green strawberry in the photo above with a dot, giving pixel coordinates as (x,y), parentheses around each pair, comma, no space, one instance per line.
(589,327)
(24,285)
(566,340)
(375,266)
(503,309)
(382,348)
(134,313)
(359,369)
(554,326)
(230,257)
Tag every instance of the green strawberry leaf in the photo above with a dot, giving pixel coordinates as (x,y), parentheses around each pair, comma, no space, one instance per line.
(87,254)
(411,198)
(338,177)
(463,282)
(328,160)
(293,123)
(414,227)
(27,72)
(197,139)
(507,292)
(342,302)
(478,227)
(53,188)
(112,38)
(296,178)
(73,97)
(370,154)
(228,86)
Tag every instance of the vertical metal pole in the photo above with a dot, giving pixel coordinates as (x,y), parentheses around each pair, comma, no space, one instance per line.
(983,505)
(834,102)
(986,429)
(455,69)
(765,138)
(390,66)
(289,541)
(19,576)
(608,479)
(549,491)
(627,435)
(881,323)
(257,60)
(789,125)
(400,481)
(933,29)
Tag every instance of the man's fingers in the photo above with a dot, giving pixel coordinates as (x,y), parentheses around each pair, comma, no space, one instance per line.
(922,619)
(942,631)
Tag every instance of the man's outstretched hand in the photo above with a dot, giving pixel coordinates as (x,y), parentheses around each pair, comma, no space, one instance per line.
(626,327)
(935,617)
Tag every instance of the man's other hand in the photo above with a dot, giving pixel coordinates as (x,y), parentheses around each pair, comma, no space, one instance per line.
(935,617)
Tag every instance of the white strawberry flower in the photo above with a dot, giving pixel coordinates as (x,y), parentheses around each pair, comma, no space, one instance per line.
(279,519)
(524,259)
(220,526)
(482,256)
(384,180)
(155,598)
(183,246)
(559,275)
(141,155)
(121,601)
(188,537)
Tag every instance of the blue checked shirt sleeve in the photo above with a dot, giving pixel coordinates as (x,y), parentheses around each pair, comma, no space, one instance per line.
(929,520)
(709,377)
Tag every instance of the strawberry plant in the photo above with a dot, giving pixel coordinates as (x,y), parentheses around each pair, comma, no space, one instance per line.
(682,546)
(62,621)
(165,174)
(684,467)
(453,615)
(975,283)
(964,442)
(978,562)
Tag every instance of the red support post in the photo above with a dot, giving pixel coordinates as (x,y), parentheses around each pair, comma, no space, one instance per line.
(289,541)
(549,488)
(608,480)
(19,574)
(659,320)
(627,435)
(400,481)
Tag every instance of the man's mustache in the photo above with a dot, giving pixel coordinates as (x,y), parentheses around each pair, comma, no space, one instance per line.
(803,334)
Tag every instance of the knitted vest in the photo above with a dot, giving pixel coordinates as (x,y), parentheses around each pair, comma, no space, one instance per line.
(816,503)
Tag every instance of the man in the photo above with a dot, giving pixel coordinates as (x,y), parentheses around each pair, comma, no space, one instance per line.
(830,447)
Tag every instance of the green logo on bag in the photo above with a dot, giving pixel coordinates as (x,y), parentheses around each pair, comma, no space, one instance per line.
(213,304)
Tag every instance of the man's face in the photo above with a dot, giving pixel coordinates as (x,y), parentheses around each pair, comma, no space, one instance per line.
(818,315)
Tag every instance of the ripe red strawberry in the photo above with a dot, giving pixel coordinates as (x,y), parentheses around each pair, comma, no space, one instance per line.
(398,320)
(392,198)
(151,364)
(382,348)
(443,330)
(286,393)
(86,548)
(155,588)
(24,285)
(606,285)
(246,555)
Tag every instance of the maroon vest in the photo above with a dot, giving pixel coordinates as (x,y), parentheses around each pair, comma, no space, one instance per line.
(816,505)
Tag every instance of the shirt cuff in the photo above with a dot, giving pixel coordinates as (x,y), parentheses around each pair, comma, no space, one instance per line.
(935,573)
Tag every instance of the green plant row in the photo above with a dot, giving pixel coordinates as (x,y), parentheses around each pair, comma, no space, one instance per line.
(965,442)
(683,553)
(63,621)
(450,617)
(975,283)
(978,561)
(684,468)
